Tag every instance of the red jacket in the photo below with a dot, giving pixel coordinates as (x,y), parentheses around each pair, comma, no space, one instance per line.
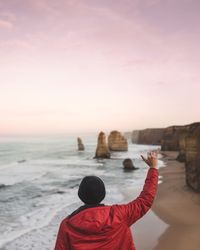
(107,227)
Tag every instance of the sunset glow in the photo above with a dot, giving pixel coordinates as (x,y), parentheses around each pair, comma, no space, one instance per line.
(84,66)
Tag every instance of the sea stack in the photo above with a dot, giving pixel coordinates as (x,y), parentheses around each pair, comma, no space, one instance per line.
(102,150)
(128,165)
(117,142)
(80,144)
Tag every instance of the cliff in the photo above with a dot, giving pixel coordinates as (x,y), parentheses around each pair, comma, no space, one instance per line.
(149,136)
(192,151)
(117,142)
(185,139)
(174,137)
(170,141)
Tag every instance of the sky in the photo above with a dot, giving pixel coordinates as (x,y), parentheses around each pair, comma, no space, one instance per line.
(89,65)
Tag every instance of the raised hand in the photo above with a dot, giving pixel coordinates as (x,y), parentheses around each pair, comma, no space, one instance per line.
(151,160)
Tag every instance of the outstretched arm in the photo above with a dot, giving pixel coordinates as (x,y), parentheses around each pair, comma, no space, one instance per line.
(134,210)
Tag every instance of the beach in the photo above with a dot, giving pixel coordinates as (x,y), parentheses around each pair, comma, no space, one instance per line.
(173,223)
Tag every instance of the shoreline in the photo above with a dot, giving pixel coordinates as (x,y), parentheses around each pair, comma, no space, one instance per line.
(173,222)
(178,206)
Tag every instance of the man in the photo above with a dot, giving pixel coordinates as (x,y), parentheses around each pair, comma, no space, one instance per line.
(96,226)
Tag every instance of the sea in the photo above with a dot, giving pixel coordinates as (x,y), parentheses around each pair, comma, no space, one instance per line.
(39,179)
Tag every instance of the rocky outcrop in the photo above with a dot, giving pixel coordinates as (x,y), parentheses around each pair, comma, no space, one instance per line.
(192,149)
(117,142)
(102,150)
(80,144)
(128,164)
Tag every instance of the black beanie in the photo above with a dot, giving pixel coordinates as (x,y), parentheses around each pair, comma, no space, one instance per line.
(91,190)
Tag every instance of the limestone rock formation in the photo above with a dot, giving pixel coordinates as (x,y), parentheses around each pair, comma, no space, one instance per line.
(81,146)
(192,149)
(171,137)
(183,133)
(151,136)
(102,150)
(185,139)
(182,154)
(128,164)
(117,142)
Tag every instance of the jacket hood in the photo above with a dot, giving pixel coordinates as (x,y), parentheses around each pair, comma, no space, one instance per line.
(92,220)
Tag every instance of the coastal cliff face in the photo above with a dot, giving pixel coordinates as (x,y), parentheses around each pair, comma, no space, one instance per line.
(185,139)
(182,156)
(117,142)
(102,150)
(152,136)
(170,140)
(81,147)
(181,134)
(149,136)
(192,151)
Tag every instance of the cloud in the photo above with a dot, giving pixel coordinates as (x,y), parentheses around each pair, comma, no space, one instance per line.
(5,24)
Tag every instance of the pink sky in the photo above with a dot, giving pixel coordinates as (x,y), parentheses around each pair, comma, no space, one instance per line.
(90,65)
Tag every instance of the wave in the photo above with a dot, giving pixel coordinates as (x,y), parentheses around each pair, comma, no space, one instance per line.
(38,218)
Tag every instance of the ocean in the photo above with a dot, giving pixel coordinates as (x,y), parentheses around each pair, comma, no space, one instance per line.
(39,178)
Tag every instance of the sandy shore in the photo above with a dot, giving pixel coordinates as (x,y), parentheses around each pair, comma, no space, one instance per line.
(173,223)
(177,206)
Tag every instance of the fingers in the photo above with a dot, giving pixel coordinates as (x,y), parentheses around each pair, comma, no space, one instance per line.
(151,158)
(153,154)
(143,158)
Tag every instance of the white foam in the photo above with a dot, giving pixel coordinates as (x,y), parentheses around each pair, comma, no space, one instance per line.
(134,151)
(37,218)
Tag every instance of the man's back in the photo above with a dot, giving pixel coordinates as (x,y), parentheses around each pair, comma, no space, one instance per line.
(107,227)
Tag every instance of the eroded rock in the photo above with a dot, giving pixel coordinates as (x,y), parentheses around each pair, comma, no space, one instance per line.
(128,164)
(117,142)
(192,164)
(81,146)
(102,150)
